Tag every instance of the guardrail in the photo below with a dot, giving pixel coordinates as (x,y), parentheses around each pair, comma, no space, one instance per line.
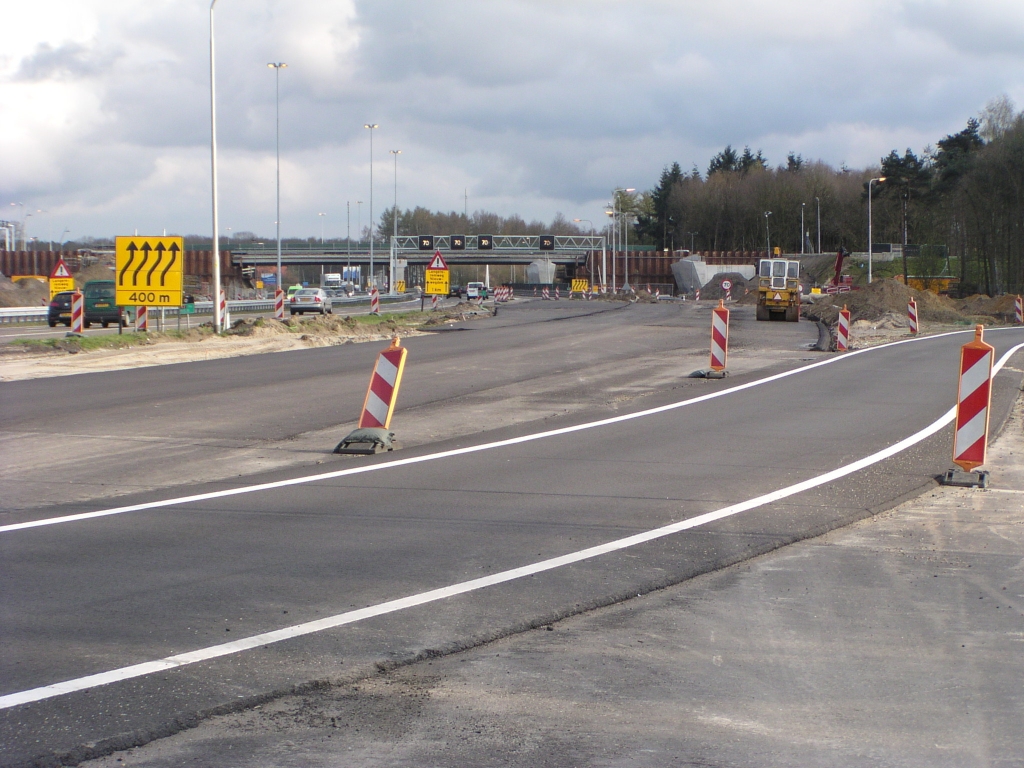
(38,314)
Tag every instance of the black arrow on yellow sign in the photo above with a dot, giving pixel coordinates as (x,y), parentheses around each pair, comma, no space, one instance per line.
(131,257)
(146,248)
(174,257)
(159,257)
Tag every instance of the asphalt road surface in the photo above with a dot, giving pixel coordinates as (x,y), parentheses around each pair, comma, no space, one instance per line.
(96,596)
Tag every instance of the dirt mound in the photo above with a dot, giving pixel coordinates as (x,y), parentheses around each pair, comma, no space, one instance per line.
(24,293)
(887,297)
(1001,307)
(740,287)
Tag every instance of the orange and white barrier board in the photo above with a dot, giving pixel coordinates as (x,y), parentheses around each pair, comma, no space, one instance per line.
(434,301)
(1018,310)
(719,336)
(383,390)
(77,312)
(279,304)
(544,293)
(696,295)
(843,330)
(973,400)
(374,301)
(912,316)
(141,319)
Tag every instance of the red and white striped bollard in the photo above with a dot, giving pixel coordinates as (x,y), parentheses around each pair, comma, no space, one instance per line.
(279,304)
(974,396)
(433,302)
(1018,310)
(142,319)
(77,312)
(557,295)
(719,336)
(544,293)
(843,330)
(912,316)
(382,393)
(374,301)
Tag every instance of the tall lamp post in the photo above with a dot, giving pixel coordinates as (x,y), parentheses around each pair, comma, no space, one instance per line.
(818,202)
(371,127)
(768,232)
(803,235)
(394,239)
(277,67)
(617,218)
(213,174)
(880,179)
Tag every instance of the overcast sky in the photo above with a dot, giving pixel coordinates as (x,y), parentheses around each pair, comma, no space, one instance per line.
(528,106)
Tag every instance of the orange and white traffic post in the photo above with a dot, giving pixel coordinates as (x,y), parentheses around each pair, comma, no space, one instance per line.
(1018,310)
(278,304)
(142,319)
(912,316)
(225,316)
(719,336)
(374,301)
(970,441)
(77,312)
(372,434)
(843,330)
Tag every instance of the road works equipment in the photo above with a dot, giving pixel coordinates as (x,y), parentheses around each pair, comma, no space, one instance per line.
(778,290)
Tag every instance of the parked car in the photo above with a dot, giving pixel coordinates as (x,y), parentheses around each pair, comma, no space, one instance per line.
(476,291)
(100,305)
(310,300)
(59,310)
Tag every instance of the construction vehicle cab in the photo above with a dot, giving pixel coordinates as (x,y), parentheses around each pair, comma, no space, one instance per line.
(778,290)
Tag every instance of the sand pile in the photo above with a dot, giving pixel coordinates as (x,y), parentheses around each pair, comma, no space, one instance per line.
(890,298)
(740,287)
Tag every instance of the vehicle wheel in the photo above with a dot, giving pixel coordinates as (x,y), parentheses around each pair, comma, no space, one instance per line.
(52,323)
(793,314)
(330,310)
(293,312)
(105,323)
(86,323)
(762,312)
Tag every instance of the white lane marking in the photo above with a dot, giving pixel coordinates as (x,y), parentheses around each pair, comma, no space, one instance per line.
(459,451)
(461,588)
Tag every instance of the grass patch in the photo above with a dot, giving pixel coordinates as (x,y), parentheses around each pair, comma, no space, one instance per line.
(75,344)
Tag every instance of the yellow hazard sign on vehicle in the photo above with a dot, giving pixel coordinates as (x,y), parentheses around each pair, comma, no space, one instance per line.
(148,271)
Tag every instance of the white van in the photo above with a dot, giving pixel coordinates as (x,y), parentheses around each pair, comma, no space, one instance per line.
(476,291)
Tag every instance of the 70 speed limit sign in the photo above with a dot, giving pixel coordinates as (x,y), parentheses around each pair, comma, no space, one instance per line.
(148,271)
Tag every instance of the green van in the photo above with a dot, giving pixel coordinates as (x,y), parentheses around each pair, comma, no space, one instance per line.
(100,306)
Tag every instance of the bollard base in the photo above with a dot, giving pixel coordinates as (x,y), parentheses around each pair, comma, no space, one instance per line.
(961,479)
(366,442)
(708,373)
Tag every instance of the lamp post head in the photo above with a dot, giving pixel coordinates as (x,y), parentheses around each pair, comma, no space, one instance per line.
(767,214)
(371,126)
(277,65)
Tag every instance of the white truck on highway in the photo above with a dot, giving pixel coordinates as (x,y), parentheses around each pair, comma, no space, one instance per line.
(331,280)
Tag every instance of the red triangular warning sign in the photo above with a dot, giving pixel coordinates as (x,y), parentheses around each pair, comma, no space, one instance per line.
(437,262)
(60,269)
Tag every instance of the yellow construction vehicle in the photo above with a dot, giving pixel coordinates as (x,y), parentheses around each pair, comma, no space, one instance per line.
(778,290)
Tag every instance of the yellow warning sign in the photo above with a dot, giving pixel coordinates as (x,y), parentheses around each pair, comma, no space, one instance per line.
(148,271)
(400,286)
(579,286)
(437,282)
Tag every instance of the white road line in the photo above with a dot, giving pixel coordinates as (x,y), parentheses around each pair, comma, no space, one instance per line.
(446,454)
(392,606)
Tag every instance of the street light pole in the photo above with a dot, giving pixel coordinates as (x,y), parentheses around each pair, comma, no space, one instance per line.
(394,239)
(803,236)
(880,179)
(768,232)
(321,215)
(277,67)
(617,219)
(213,173)
(348,235)
(818,202)
(371,127)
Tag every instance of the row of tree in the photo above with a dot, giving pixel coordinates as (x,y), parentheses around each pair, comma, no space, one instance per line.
(965,196)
